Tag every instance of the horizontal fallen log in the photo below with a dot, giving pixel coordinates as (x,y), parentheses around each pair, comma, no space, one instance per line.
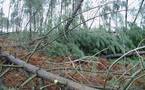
(111,56)
(44,74)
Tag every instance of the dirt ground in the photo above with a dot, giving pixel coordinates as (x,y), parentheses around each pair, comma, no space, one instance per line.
(89,73)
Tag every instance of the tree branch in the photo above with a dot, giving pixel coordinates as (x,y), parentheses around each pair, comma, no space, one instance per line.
(138,11)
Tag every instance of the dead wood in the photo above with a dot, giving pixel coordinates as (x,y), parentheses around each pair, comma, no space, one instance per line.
(44,74)
(111,56)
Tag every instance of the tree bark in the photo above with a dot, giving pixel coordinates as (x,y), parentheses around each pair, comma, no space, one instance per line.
(8,18)
(126,14)
(44,74)
(83,19)
(30,15)
(73,15)
(111,56)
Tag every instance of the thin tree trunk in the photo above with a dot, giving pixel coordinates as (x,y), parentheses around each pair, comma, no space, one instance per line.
(109,24)
(46,75)
(1,23)
(126,13)
(8,19)
(83,19)
(34,22)
(41,22)
(30,23)
(47,15)
(73,16)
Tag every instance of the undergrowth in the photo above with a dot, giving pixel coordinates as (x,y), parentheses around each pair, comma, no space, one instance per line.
(79,43)
(90,42)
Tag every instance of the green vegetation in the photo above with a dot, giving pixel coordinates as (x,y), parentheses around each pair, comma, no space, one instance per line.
(77,28)
(85,42)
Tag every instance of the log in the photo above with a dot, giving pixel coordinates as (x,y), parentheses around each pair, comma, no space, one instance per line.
(46,75)
(111,56)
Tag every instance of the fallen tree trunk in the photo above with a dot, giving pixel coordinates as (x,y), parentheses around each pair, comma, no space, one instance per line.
(111,56)
(44,74)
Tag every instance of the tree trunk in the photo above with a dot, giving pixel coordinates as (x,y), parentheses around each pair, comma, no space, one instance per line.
(44,74)
(66,28)
(83,19)
(111,56)
(126,13)
(34,22)
(8,19)
(30,16)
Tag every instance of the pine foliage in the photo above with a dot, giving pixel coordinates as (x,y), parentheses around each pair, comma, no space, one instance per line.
(60,49)
(88,42)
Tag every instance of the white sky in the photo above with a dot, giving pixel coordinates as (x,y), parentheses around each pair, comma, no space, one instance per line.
(89,14)
(95,3)
(6,7)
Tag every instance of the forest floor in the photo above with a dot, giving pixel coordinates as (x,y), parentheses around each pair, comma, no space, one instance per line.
(91,73)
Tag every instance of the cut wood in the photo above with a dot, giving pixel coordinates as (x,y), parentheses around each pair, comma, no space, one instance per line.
(46,75)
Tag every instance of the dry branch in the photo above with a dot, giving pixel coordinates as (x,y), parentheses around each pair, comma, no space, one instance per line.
(128,55)
(44,74)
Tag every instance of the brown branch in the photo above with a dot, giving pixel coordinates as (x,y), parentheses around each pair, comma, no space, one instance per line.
(117,73)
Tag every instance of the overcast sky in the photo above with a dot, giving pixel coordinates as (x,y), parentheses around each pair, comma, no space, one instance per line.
(94,2)
(87,15)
